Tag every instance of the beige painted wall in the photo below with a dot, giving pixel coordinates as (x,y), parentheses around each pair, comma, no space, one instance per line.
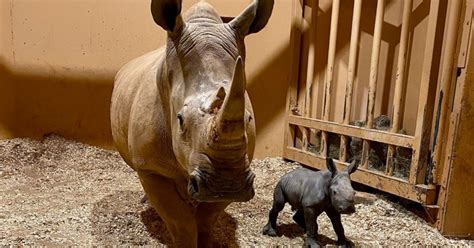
(58,59)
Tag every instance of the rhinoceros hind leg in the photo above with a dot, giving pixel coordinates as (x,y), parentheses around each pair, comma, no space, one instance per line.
(298,217)
(177,215)
(279,201)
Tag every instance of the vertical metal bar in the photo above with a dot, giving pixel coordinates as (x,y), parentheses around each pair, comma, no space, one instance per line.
(310,69)
(399,82)
(330,72)
(447,72)
(354,45)
(374,67)
(425,107)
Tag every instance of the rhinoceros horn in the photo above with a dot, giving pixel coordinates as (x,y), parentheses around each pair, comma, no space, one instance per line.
(229,130)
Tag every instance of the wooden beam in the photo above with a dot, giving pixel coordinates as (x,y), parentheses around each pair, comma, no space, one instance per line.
(455,215)
(418,193)
(425,106)
(354,46)
(402,58)
(466,34)
(310,75)
(450,151)
(331,58)
(353,131)
(399,82)
(301,133)
(374,62)
(295,44)
(330,72)
(447,76)
(374,67)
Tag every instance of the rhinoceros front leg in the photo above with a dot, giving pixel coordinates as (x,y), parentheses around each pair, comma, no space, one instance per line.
(310,219)
(335,218)
(207,215)
(177,214)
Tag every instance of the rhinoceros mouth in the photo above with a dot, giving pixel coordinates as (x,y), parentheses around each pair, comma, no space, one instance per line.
(348,210)
(221,186)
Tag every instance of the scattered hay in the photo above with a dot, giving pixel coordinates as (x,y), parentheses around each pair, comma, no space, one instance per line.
(377,153)
(60,192)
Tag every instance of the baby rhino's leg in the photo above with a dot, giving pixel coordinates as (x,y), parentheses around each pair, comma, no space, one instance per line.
(278,204)
(298,217)
(338,228)
(310,219)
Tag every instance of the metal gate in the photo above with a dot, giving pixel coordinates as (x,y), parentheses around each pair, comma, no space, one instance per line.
(319,126)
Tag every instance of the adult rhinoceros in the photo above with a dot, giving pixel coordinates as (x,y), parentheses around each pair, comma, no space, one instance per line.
(181,117)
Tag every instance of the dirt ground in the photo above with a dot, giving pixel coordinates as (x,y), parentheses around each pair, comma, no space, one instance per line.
(60,192)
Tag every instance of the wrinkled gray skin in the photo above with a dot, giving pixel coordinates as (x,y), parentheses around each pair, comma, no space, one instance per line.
(310,193)
(181,117)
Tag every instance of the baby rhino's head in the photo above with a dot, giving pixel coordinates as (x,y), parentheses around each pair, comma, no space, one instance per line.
(340,189)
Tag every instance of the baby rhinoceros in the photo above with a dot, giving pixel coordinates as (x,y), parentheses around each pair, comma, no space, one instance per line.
(310,193)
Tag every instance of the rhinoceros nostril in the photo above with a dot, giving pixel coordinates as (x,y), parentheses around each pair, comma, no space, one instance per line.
(194,185)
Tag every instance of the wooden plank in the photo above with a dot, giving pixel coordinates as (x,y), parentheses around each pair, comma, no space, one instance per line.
(374,62)
(399,82)
(302,133)
(374,67)
(295,44)
(446,176)
(418,193)
(447,76)
(425,106)
(303,56)
(400,76)
(456,217)
(466,34)
(310,75)
(353,131)
(330,72)
(354,46)
(312,24)
(331,58)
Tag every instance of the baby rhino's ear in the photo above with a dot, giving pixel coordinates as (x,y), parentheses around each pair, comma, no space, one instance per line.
(331,166)
(352,167)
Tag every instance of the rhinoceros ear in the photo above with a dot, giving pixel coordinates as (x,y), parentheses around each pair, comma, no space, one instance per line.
(167,13)
(331,166)
(352,167)
(254,17)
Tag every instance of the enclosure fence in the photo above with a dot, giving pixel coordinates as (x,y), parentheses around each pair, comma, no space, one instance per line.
(405,164)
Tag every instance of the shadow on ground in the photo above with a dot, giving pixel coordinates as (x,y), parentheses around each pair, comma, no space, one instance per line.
(116,219)
(123,218)
(292,230)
